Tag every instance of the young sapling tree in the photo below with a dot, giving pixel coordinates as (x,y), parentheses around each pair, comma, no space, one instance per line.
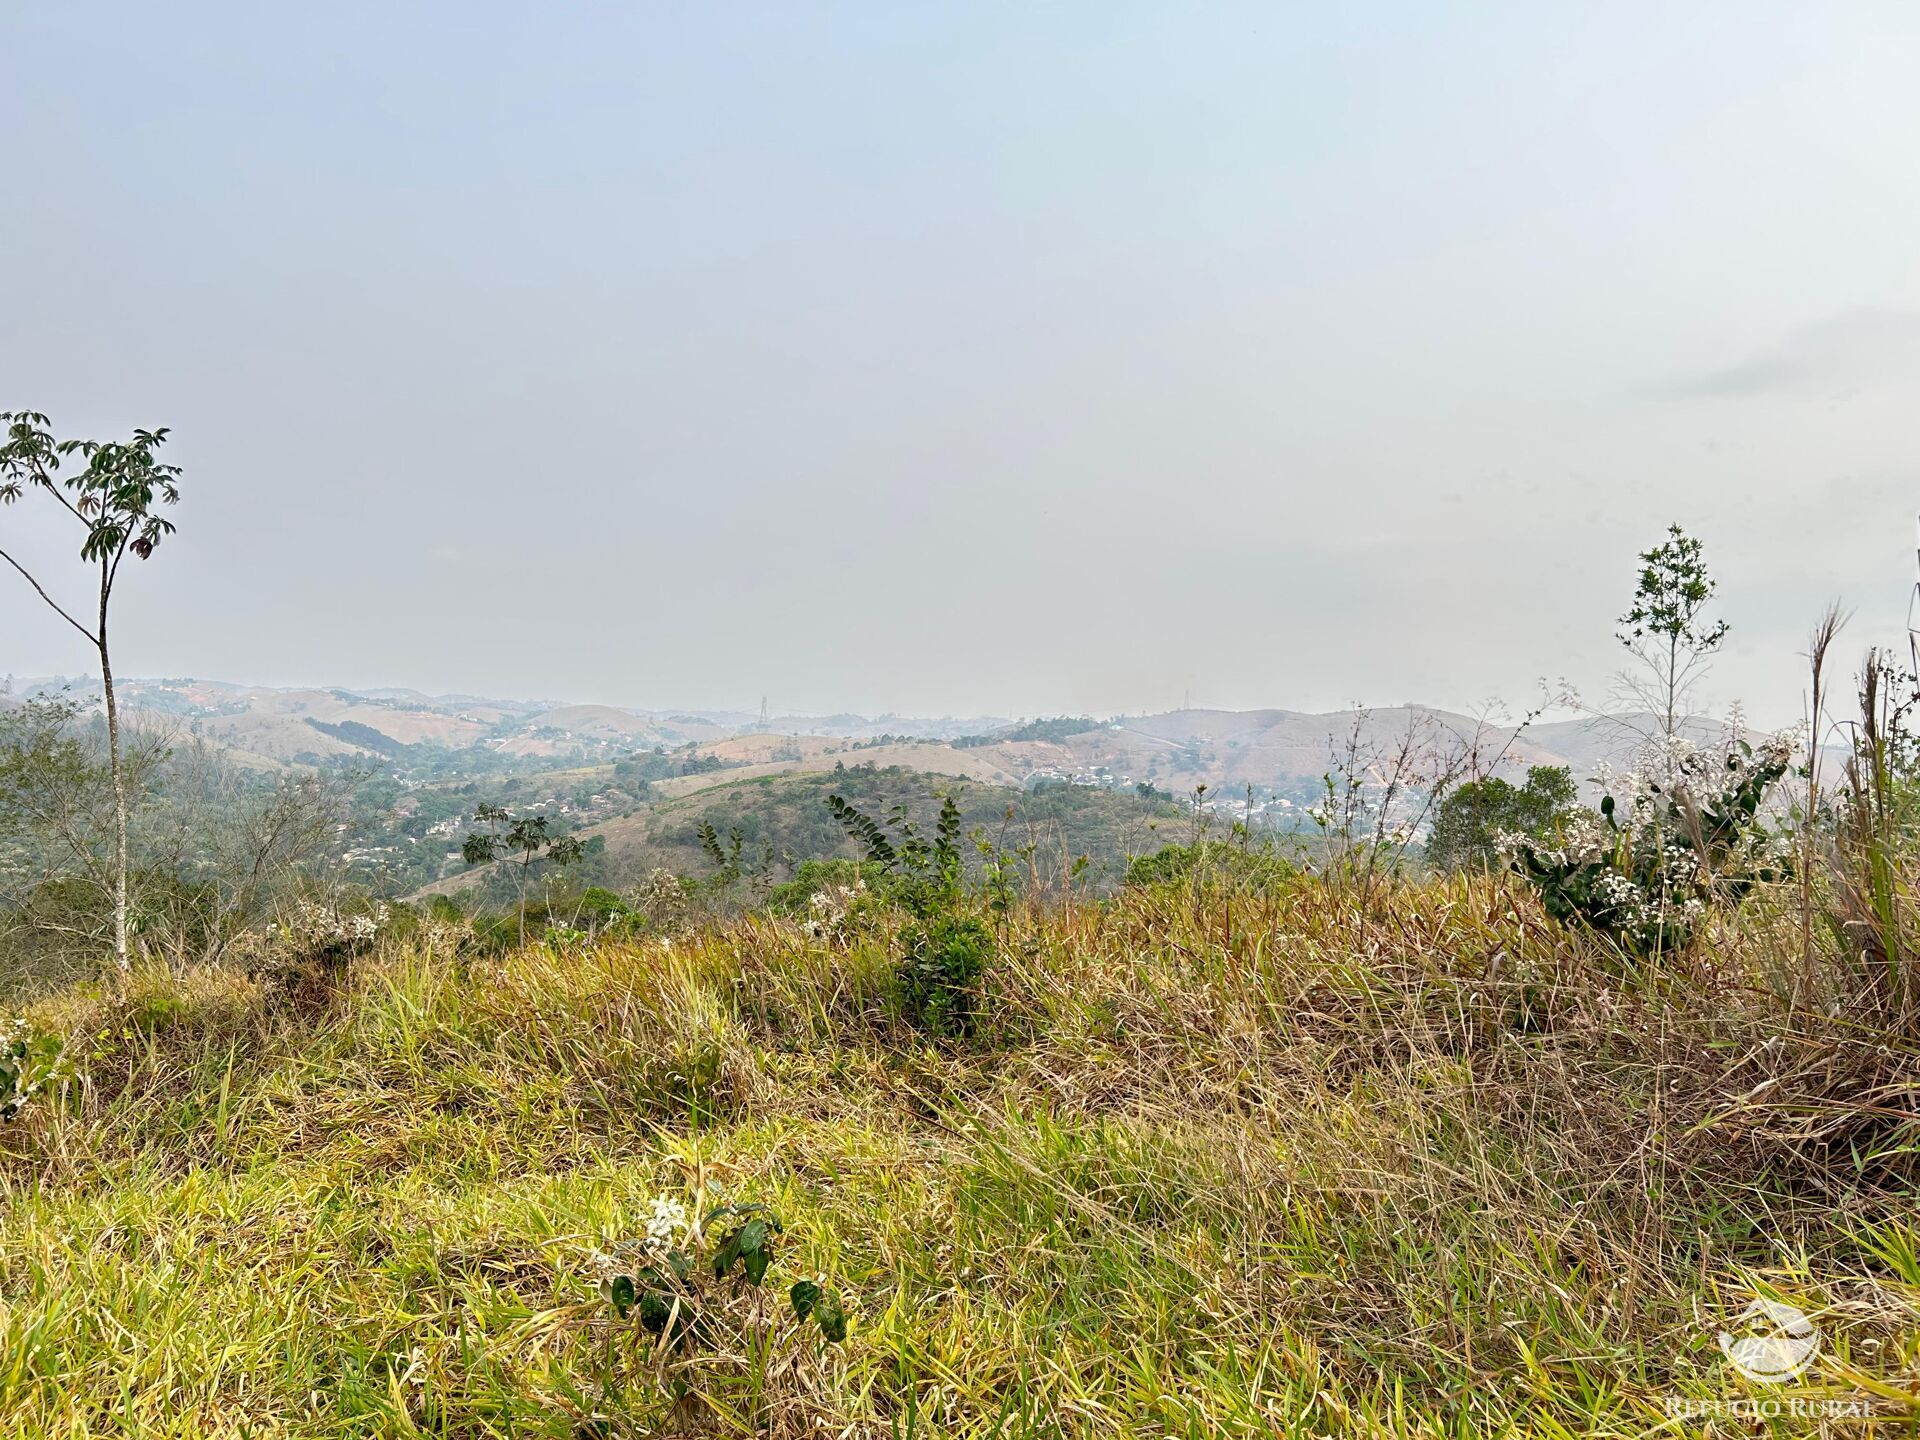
(519,842)
(114,496)
(1666,627)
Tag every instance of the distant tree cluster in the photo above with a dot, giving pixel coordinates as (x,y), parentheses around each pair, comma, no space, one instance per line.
(1472,818)
(1061,727)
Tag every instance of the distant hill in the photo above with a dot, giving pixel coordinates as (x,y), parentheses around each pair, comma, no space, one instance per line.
(316,726)
(641,779)
(1282,754)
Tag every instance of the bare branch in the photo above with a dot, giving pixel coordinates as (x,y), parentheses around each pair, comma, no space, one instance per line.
(39,589)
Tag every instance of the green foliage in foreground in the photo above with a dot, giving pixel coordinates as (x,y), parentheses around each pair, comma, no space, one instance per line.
(943,951)
(29,1060)
(1648,873)
(815,877)
(943,956)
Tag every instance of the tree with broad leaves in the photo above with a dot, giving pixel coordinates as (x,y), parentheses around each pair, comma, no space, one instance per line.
(527,837)
(1666,628)
(114,491)
(1474,818)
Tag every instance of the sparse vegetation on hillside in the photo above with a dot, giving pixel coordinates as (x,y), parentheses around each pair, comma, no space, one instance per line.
(1200,1169)
(1060,727)
(786,817)
(1222,863)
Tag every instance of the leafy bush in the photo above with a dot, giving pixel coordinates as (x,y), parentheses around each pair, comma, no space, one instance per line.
(312,936)
(1237,865)
(666,903)
(943,951)
(660,1280)
(303,958)
(30,1060)
(602,906)
(1644,872)
(943,957)
(817,877)
(1472,818)
(599,911)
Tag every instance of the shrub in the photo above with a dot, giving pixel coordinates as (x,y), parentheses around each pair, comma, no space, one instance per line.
(303,958)
(1662,849)
(660,1280)
(943,957)
(1237,865)
(601,905)
(943,951)
(666,903)
(311,939)
(1472,818)
(814,878)
(30,1060)
(599,911)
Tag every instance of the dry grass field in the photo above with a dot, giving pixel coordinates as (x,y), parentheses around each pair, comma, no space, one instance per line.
(1414,1162)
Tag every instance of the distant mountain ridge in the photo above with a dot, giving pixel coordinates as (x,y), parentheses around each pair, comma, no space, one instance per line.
(1285,752)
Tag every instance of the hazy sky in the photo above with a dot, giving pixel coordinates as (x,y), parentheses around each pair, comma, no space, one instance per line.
(969,357)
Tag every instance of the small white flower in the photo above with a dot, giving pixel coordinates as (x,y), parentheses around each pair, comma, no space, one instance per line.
(667,1222)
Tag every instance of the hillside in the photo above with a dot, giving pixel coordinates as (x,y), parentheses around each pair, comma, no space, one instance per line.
(782,819)
(1211,1165)
(1281,752)
(421,765)
(782,816)
(1284,750)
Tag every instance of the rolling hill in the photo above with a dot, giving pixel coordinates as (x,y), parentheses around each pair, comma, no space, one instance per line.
(1274,749)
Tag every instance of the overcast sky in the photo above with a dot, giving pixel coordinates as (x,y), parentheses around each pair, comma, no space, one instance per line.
(969,357)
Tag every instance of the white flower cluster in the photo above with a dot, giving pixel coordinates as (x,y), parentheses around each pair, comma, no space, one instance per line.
(1649,875)
(667,1223)
(26,1068)
(666,1227)
(661,900)
(830,910)
(445,935)
(316,927)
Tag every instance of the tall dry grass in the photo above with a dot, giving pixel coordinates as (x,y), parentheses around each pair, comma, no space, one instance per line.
(1403,1158)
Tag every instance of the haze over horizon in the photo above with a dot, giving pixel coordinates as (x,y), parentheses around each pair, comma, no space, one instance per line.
(984,360)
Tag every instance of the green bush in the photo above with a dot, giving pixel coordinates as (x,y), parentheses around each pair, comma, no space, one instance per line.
(942,959)
(1472,818)
(1663,850)
(660,1280)
(943,950)
(819,877)
(1236,865)
(29,1062)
